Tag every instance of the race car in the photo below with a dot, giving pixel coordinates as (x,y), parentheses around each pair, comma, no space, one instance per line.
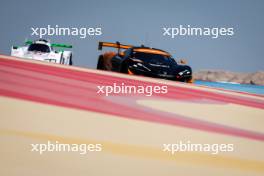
(44,51)
(143,61)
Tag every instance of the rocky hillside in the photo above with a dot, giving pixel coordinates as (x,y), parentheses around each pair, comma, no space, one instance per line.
(244,78)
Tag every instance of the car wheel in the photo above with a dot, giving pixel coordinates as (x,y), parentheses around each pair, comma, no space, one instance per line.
(100,63)
(124,67)
(61,59)
(70,61)
(188,80)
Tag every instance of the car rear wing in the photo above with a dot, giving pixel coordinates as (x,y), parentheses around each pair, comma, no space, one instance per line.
(140,49)
(113,45)
(61,45)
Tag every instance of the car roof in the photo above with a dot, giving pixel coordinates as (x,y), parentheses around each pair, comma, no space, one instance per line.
(151,51)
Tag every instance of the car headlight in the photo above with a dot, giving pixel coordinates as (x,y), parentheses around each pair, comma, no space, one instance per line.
(140,66)
(143,66)
(184,72)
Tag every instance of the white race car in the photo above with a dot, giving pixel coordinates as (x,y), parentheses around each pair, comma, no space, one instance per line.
(44,51)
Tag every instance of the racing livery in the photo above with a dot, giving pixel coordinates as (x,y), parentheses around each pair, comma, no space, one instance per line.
(44,51)
(144,61)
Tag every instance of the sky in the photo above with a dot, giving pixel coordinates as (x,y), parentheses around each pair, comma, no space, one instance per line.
(140,22)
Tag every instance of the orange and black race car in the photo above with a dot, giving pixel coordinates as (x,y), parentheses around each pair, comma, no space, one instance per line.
(143,61)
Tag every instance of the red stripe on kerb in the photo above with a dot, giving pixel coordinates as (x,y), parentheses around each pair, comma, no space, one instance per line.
(77,89)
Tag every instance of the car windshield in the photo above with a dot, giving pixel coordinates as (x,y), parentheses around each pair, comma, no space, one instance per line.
(153,58)
(39,47)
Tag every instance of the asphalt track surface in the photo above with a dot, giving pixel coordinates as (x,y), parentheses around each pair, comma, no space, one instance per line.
(41,101)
